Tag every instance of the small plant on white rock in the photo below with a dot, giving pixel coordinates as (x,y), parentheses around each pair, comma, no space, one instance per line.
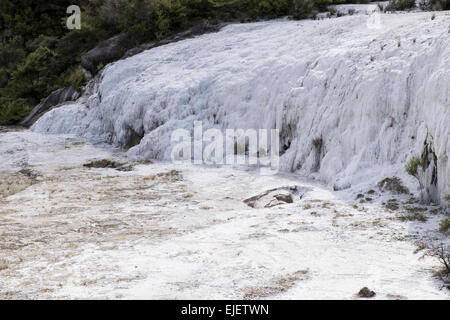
(412,168)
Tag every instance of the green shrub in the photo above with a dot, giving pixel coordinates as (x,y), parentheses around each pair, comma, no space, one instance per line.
(303,9)
(444,225)
(434,5)
(12,52)
(395,5)
(13,111)
(269,8)
(350,1)
(34,78)
(412,166)
(73,77)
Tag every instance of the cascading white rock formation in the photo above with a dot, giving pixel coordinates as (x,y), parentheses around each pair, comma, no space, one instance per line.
(350,101)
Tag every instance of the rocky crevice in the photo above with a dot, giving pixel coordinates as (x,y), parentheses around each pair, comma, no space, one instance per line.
(428,172)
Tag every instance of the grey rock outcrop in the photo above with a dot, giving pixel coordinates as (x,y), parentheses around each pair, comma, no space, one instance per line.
(275,197)
(107,51)
(55,98)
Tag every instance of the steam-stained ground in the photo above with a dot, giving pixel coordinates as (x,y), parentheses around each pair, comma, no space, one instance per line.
(170,231)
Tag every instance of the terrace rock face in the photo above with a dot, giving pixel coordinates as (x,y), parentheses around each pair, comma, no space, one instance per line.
(371,100)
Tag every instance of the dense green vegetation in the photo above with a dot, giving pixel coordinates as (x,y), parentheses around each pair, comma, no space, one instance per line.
(38,54)
(395,5)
